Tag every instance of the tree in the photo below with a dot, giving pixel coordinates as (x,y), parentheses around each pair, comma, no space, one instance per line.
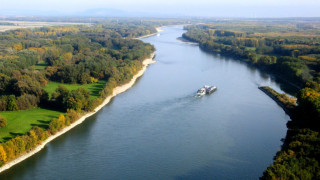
(27,85)
(67,57)
(3,103)
(72,115)
(17,47)
(59,96)
(3,121)
(3,156)
(40,133)
(62,120)
(267,60)
(252,57)
(19,144)
(12,103)
(4,82)
(57,124)
(10,149)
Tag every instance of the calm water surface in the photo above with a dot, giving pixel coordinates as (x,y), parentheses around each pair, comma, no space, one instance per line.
(159,130)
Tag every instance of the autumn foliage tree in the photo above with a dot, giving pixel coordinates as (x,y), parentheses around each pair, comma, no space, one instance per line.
(3,156)
(3,121)
(17,47)
(57,124)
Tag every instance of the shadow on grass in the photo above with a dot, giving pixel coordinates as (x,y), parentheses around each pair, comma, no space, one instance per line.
(50,116)
(43,124)
(42,64)
(13,135)
(16,134)
(51,107)
(95,90)
(6,139)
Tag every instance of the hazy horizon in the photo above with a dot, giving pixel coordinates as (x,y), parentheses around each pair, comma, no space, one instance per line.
(201,8)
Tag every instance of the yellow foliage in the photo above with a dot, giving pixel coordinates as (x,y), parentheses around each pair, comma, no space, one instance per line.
(67,56)
(39,33)
(62,119)
(9,57)
(33,136)
(17,47)
(3,155)
(50,34)
(102,50)
(40,51)
(307,58)
(63,29)
(291,153)
(93,80)
(296,46)
(32,48)
(20,34)
(211,32)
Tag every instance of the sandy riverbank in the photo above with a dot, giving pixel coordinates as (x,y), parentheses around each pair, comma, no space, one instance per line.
(116,91)
(153,34)
(159,29)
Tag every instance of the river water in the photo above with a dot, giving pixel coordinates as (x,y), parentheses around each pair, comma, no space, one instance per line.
(159,130)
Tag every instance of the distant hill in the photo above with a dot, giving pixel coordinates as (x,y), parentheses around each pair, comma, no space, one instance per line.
(104,12)
(98,12)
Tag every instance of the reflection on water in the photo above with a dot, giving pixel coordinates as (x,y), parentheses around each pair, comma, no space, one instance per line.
(278,84)
(159,130)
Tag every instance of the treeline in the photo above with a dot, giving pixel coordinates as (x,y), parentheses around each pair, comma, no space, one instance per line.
(131,30)
(300,156)
(29,58)
(294,57)
(6,24)
(297,58)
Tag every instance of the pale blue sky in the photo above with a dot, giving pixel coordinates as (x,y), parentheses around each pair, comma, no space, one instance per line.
(213,8)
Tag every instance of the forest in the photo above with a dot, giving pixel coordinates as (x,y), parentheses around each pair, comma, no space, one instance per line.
(290,51)
(61,71)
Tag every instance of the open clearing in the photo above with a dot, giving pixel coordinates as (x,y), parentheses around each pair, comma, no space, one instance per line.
(93,88)
(20,122)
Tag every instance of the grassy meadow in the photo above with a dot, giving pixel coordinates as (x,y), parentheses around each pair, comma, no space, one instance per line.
(93,88)
(20,122)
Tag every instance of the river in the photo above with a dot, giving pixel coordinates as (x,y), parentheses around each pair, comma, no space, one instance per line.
(159,130)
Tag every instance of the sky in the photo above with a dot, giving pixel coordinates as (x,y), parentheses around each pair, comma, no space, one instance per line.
(200,8)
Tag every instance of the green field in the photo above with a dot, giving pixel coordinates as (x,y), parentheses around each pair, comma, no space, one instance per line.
(93,88)
(20,122)
(40,66)
(250,48)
